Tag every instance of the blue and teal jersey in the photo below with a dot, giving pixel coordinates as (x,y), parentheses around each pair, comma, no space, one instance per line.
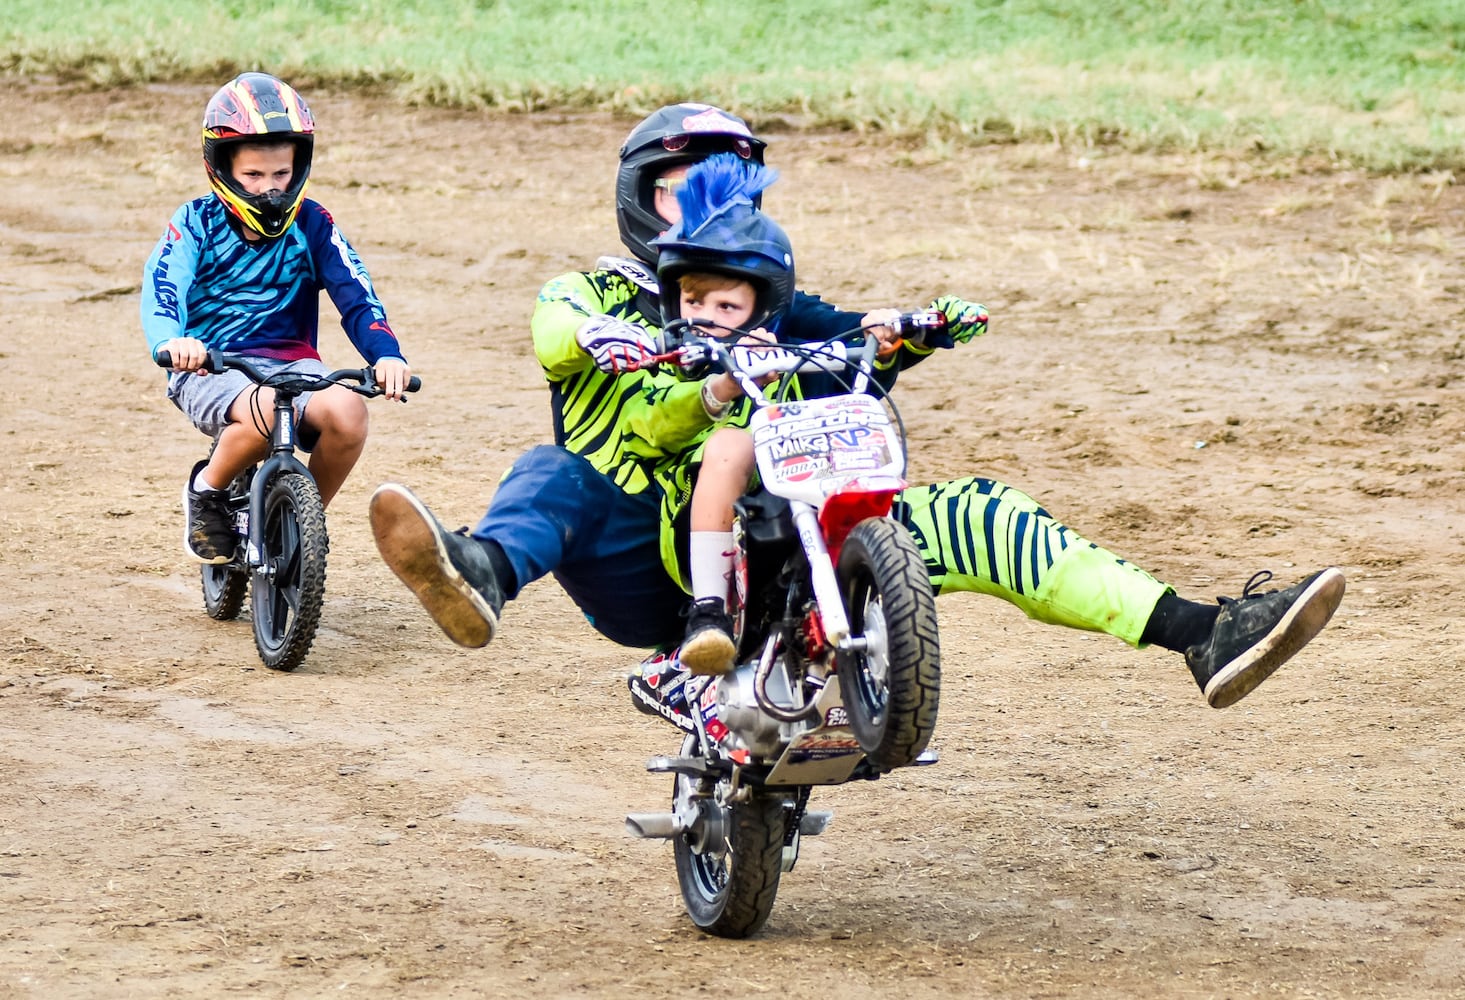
(261,298)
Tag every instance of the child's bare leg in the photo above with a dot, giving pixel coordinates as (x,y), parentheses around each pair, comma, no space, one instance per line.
(339,416)
(240,443)
(727,465)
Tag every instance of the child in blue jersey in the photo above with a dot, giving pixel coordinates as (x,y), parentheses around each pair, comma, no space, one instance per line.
(241,270)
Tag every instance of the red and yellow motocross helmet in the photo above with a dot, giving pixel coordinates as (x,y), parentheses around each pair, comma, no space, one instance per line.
(252,108)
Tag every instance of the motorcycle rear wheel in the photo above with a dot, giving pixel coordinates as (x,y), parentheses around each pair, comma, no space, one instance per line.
(893,688)
(729,866)
(288,594)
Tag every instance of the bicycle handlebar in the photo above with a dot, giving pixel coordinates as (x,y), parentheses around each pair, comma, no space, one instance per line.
(219,361)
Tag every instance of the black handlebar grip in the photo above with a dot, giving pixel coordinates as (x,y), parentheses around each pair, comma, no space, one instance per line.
(212,365)
(414,383)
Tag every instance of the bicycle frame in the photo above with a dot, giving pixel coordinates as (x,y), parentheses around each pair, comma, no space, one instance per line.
(281,458)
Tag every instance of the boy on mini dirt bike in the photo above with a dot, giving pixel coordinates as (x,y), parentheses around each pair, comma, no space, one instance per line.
(241,270)
(728,264)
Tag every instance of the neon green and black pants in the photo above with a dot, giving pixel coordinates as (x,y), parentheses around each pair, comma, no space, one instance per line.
(982,536)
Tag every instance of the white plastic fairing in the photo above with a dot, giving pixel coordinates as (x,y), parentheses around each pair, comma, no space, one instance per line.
(810,449)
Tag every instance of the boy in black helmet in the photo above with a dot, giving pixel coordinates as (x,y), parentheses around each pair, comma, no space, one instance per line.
(726,263)
(588,508)
(625,434)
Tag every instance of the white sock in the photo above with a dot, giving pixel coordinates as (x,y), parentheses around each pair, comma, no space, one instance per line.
(201,485)
(711,557)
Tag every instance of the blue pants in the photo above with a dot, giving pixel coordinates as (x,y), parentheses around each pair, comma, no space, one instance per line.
(554,513)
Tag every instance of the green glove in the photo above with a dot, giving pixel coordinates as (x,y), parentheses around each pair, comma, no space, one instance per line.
(964,320)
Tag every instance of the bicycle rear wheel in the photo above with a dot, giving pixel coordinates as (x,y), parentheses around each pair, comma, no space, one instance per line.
(224,586)
(290,586)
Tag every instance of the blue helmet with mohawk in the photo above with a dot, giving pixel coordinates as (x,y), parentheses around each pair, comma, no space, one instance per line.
(723,232)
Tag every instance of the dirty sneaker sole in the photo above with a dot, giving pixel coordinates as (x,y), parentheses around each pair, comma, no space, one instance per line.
(411,543)
(1305,619)
(710,654)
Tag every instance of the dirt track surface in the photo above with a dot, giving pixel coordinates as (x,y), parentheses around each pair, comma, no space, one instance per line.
(1207,368)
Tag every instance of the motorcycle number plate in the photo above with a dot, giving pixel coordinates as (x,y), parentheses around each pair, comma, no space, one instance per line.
(810,449)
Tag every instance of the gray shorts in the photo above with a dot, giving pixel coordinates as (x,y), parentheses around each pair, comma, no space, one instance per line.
(206,399)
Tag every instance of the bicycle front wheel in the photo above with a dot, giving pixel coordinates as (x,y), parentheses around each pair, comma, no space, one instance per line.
(290,585)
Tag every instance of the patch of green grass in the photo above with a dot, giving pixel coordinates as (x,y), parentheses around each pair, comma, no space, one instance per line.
(1380,84)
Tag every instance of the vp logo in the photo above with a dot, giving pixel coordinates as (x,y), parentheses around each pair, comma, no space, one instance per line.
(849,437)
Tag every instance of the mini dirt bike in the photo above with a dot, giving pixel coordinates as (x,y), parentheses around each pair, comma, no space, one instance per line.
(838,674)
(279,523)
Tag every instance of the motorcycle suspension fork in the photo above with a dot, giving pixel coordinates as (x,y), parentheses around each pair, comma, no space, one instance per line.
(821,574)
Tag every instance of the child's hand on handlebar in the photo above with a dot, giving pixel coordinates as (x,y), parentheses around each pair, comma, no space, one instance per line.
(188,353)
(393,374)
(753,339)
(879,323)
(724,388)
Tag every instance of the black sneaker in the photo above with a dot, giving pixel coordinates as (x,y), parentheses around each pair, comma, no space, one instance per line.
(448,571)
(208,532)
(659,688)
(1257,633)
(708,649)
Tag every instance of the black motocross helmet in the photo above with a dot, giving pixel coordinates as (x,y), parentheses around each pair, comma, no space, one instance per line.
(723,232)
(674,135)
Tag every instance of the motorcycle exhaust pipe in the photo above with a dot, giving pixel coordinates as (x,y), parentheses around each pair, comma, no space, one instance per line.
(654,826)
(664,826)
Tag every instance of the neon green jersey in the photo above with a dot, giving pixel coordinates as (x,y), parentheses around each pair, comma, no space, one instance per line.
(621,423)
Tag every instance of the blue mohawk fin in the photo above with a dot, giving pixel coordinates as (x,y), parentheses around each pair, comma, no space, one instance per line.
(717,184)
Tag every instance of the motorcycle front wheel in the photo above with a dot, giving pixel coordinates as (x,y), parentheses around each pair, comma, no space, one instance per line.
(290,586)
(892,687)
(728,865)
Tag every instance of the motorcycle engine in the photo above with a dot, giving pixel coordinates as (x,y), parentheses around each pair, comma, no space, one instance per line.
(737,707)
